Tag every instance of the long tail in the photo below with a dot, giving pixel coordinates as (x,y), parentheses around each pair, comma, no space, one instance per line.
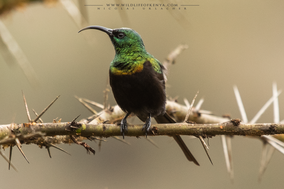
(167,119)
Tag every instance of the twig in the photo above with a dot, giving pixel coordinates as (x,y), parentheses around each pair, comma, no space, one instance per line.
(173,55)
(85,145)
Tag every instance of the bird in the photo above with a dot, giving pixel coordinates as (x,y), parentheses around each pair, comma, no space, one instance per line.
(138,82)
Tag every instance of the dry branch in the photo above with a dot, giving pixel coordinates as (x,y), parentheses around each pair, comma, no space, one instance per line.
(54,133)
(32,132)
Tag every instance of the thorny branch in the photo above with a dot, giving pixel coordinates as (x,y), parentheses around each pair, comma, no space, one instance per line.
(35,132)
(191,121)
(29,133)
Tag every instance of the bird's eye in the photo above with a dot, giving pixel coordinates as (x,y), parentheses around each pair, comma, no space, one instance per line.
(120,35)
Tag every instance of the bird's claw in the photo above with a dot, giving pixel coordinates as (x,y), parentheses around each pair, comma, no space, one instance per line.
(147,126)
(123,127)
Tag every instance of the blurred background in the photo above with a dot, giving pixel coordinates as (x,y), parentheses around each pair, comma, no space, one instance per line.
(229,43)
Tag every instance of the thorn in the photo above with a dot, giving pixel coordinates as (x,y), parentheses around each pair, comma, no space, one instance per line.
(205,148)
(273,139)
(18,144)
(93,103)
(8,161)
(48,150)
(205,112)
(227,148)
(27,109)
(73,125)
(267,152)
(203,142)
(57,120)
(199,104)
(58,148)
(73,121)
(277,144)
(35,120)
(86,105)
(265,106)
(40,120)
(240,104)
(275,103)
(10,157)
(190,109)
(186,103)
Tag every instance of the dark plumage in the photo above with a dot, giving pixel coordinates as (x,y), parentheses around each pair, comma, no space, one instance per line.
(141,93)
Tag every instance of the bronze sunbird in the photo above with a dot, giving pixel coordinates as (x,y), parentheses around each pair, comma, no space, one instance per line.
(137,81)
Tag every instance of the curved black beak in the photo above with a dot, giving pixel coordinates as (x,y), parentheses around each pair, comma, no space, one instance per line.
(101,28)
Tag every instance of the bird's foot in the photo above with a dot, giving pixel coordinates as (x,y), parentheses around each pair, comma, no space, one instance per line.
(123,125)
(147,125)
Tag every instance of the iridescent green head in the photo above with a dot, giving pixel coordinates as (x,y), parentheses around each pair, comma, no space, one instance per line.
(130,51)
(123,39)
